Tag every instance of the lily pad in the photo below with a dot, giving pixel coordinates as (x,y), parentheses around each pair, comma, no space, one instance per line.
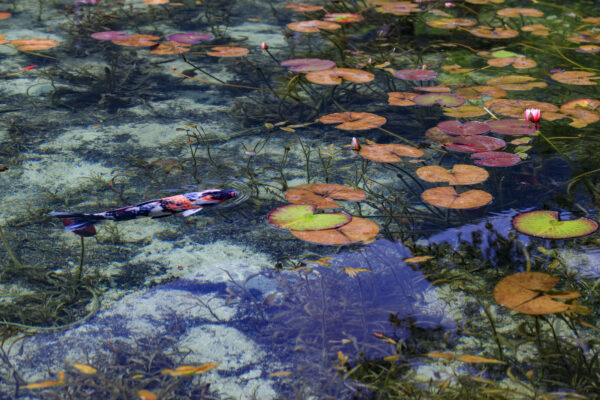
(446,197)
(546,224)
(313,26)
(416,74)
(516,62)
(530,293)
(303,218)
(403,99)
(343,18)
(476,92)
(227,51)
(354,121)
(516,12)
(335,76)
(189,37)
(468,129)
(536,29)
(516,108)
(110,35)
(495,159)
(398,7)
(389,153)
(304,7)
(443,99)
(494,33)
(464,112)
(460,174)
(169,48)
(308,64)
(512,127)
(357,230)
(137,41)
(450,23)
(34,44)
(576,77)
(432,89)
(475,144)
(438,137)
(516,82)
(322,194)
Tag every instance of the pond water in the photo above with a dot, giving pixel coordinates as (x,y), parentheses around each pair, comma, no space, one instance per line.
(360,199)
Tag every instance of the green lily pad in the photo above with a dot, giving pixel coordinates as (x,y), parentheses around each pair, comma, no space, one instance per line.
(504,54)
(302,217)
(545,224)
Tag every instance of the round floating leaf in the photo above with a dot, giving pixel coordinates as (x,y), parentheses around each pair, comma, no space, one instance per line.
(137,41)
(312,26)
(169,48)
(322,194)
(512,127)
(335,76)
(468,129)
(304,7)
(476,92)
(403,99)
(357,230)
(460,174)
(110,35)
(536,29)
(505,54)
(516,82)
(475,144)
(588,49)
(154,2)
(398,7)
(494,33)
(343,18)
(443,99)
(432,89)
(34,44)
(530,293)
(464,112)
(580,104)
(303,218)
(450,23)
(308,64)
(516,12)
(389,153)
(516,62)
(575,77)
(438,137)
(545,224)
(227,51)
(354,121)
(446,197)
(495,159)
(516,108)
(189,37)
(416,74)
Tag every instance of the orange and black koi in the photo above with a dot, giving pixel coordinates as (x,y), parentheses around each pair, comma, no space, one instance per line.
(186,204)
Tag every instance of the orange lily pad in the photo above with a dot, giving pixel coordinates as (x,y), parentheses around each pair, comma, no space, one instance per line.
(432,89)
(581,104)
(354,121)
(575,77)
(438,137)
(494,33)
(389,153)
(475,143)
(304,7)
(531,293)
(227,51)
(146,395)
(470,128)
(516,82)
(312,26)
(476,92)
(446,197)
(588,49)
(357,230)
(536,29)
(169,48)
(516,12)
(398,8)
(155,2)
(516,62)
(335,76)
(137,41)
(34,44)
(322,194)
(442,99)
(450,23)
(456,69)
(464,112)
(415,74)
(460,174)
(516,108)
(403,99)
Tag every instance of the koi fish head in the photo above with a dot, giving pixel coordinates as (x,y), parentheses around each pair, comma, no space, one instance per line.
(211,196)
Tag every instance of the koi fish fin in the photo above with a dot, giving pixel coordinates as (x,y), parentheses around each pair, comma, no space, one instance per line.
(187,213)
(78,223)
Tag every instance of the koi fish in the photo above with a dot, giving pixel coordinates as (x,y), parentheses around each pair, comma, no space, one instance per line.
(187,204)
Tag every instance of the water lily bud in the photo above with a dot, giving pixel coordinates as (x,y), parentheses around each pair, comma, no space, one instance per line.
(449,4)
(533,114)
(354,144)
(264,46)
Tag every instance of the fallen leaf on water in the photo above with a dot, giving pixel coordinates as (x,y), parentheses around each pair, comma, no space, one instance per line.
(47,384)
(353,272)
(190,369)
(84,368)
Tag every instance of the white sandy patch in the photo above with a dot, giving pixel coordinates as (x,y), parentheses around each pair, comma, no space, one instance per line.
(59,170)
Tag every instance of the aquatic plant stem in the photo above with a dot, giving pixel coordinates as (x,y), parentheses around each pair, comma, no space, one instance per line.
(80,269)
(494,331)
(215,83)
(11,255)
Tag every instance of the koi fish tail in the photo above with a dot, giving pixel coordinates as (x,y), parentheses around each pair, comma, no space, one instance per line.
(77,221)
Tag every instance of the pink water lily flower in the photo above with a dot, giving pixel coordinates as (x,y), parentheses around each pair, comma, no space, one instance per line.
(354,144)
(533,115)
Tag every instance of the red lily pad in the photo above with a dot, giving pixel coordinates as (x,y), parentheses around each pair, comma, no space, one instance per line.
(308,64)
(189,37)
(302,217)
(110,35)
(495,159)
(335,76)
(227,51)
(475,144)
(512,127)
(304,7)
(354,121)
(416,74)
(468,129)
(546,224)
(443,99)
(312,26)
